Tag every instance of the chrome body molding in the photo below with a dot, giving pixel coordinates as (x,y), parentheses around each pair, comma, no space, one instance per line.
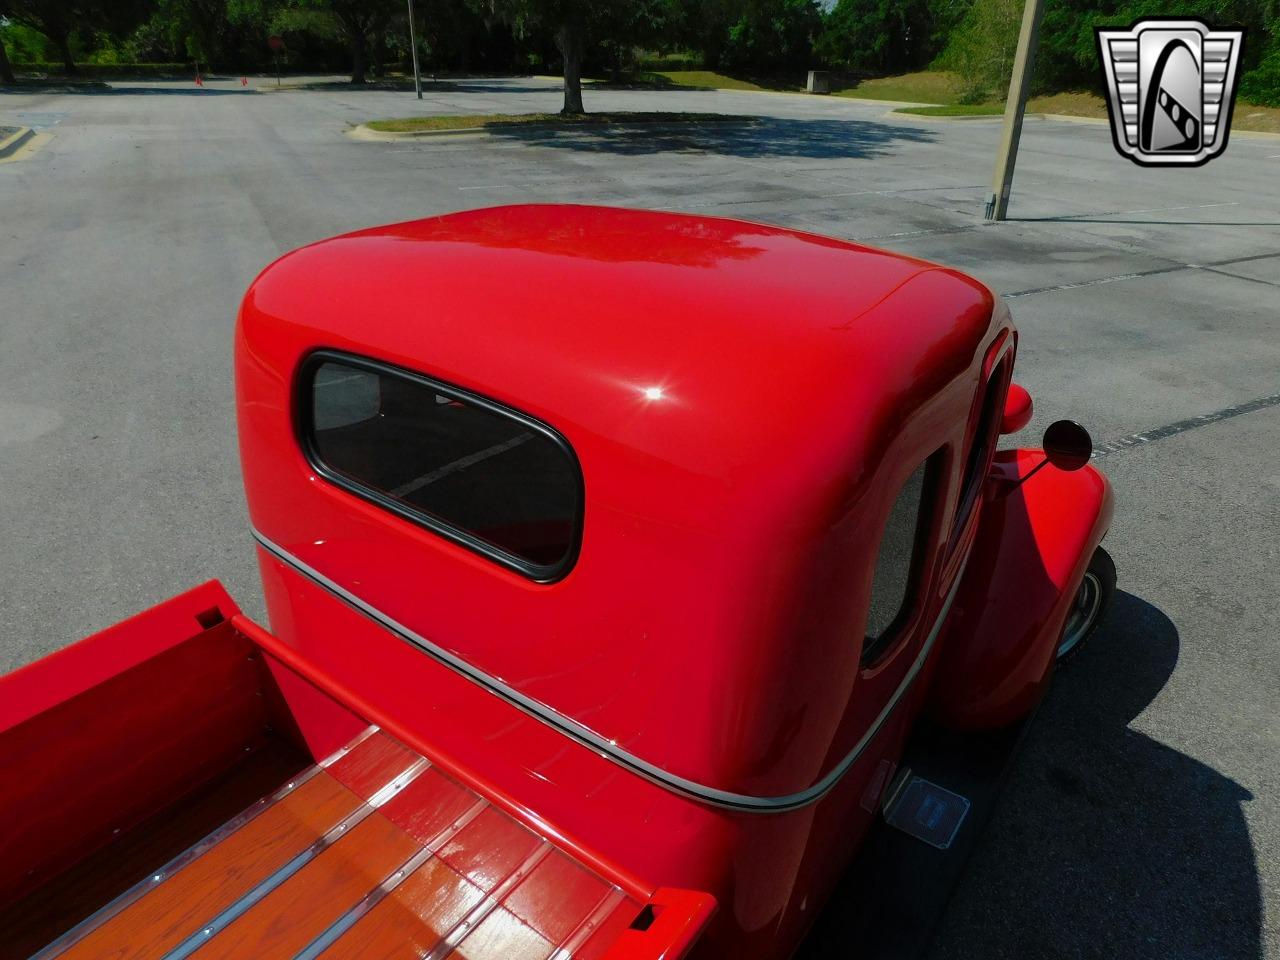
(607,749)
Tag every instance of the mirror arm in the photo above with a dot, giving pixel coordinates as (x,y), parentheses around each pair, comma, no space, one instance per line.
(1031,473)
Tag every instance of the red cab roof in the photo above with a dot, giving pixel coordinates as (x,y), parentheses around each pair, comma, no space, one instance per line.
(744,401)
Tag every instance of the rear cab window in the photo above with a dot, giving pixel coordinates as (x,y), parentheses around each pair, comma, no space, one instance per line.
(472,470)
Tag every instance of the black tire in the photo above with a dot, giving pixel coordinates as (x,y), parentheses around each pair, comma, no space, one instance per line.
(1093,598)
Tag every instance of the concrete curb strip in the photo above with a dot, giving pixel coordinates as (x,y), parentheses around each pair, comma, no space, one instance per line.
(12,143)
(965,118)
(1062,118)
(364,132)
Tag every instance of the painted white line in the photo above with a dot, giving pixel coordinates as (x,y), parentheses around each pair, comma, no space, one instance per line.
(1119,213)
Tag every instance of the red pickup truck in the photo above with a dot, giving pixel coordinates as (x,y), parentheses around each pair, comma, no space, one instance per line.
(612,560)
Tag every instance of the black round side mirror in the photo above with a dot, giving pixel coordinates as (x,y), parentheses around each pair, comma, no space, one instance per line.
(1067,445)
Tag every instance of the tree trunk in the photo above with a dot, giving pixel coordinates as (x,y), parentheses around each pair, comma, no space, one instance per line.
(359,58)
(63,41)
(570,41)
(6,71)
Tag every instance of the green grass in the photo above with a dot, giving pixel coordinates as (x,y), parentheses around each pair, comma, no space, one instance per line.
(389,82)
(1079,103)
(956,110)
(923,86)
(1247,116)
(490,120)
(722,81)
(703,80)
(671,61)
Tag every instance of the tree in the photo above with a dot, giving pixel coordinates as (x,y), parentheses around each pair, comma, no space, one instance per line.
(772,35)
(58,20)
(6,71)
(567,22)
(877,36)
(53,18)
(703,26)
(361,22)
(981,48)
(574,25)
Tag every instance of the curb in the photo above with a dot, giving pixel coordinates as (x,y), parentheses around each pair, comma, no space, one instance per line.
(1103,121)
(1256,134)
(363,132)
(12,143)
(873,102)
(970,118)
(1069,118)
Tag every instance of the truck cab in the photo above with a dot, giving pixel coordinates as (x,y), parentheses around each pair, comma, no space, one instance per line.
(611,559)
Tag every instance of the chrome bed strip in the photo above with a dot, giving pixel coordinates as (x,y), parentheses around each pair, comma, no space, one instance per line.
(348,920)
(576,940)
(257,893)
(135,893)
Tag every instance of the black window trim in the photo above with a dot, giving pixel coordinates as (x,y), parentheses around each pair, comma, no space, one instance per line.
(993,391)
(304,408)
(876,651)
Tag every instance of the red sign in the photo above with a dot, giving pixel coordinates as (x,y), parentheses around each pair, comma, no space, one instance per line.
(275,43)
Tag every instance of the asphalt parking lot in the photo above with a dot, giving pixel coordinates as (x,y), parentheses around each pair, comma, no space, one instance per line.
(1143,816)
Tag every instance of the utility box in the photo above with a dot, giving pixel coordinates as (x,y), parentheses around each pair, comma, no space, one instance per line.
(819,81)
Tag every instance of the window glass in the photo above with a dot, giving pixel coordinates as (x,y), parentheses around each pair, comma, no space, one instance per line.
(896,562)
(458,464)
(983,445)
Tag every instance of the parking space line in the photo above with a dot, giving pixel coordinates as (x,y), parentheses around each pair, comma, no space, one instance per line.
(1097,281)
(1240,276)
(1120,213)
(1182,426)
(1148,273)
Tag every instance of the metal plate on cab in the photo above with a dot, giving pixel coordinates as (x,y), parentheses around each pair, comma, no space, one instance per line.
(927,812)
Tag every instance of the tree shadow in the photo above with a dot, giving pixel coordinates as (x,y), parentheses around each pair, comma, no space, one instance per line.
(1067,218)
(371,86)
(190,91)
(1109,843)
(30,86)
(767,137)
(464,87)
(106,91)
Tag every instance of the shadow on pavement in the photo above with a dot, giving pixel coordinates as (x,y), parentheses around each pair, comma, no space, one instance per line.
(768,137)
(466,87)
(52,86)
(373,86)
(125,91)
(1068,218)
(1110,843)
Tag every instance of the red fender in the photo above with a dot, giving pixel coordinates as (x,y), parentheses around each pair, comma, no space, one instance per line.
(1033,544)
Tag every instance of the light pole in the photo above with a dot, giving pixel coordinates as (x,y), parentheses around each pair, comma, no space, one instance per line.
(413,45)
(1014,108)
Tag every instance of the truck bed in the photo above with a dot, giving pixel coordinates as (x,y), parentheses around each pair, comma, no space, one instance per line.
(369,853)
(180,800)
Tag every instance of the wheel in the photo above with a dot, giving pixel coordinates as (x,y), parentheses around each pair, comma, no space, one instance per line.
(1092,600)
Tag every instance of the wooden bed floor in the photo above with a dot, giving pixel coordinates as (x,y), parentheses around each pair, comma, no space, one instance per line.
(371,853)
